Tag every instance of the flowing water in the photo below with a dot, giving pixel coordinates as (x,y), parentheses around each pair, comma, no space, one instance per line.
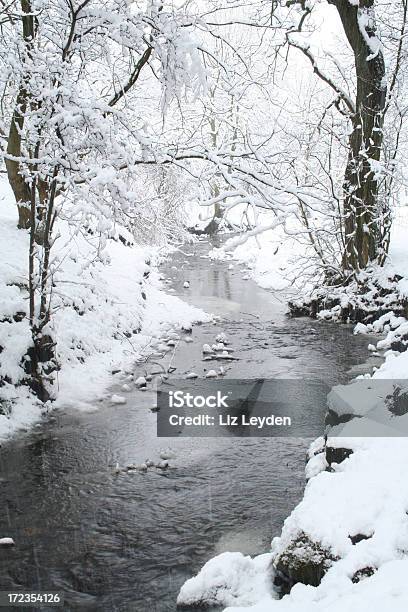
(126,542)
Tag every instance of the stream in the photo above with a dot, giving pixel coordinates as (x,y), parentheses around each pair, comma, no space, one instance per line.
(126,542)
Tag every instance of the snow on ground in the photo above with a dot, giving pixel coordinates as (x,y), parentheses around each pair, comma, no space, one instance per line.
(229,579)
(398,253)
(102,322)
(395,366)
(366,495)
(395,328)
(386,590)
(272,257)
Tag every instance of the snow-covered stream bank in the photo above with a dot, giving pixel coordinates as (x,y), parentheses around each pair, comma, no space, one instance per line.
(128,540)
(108,305)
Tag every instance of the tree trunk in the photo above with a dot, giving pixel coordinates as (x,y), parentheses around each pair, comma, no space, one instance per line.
(361,185)
(213,226)
(19,186)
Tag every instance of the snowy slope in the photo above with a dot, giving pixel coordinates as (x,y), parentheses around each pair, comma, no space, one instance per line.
(101,320)
(272,258)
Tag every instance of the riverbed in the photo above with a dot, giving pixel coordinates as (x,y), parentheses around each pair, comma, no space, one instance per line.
(126,541)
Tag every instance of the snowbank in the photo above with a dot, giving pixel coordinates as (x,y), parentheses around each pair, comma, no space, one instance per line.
(395,327)
(106,313)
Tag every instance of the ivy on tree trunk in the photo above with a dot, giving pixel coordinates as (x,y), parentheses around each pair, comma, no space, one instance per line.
(362,207)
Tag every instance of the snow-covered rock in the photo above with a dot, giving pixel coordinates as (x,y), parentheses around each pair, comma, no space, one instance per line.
(141,467)
(222,338)
(118,399)
(141,381)
(211,374)
(7,542)
(395,367)
(360,328)
(167,453)
(315,465)
(229,579)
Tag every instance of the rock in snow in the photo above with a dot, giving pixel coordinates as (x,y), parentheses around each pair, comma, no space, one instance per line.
(118,399)
(141,381)
(221,338)
(211,374)
(360,328)
(207,350)
(186,285)
(142,467)
(218,347)
(6,542)
(191,375)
